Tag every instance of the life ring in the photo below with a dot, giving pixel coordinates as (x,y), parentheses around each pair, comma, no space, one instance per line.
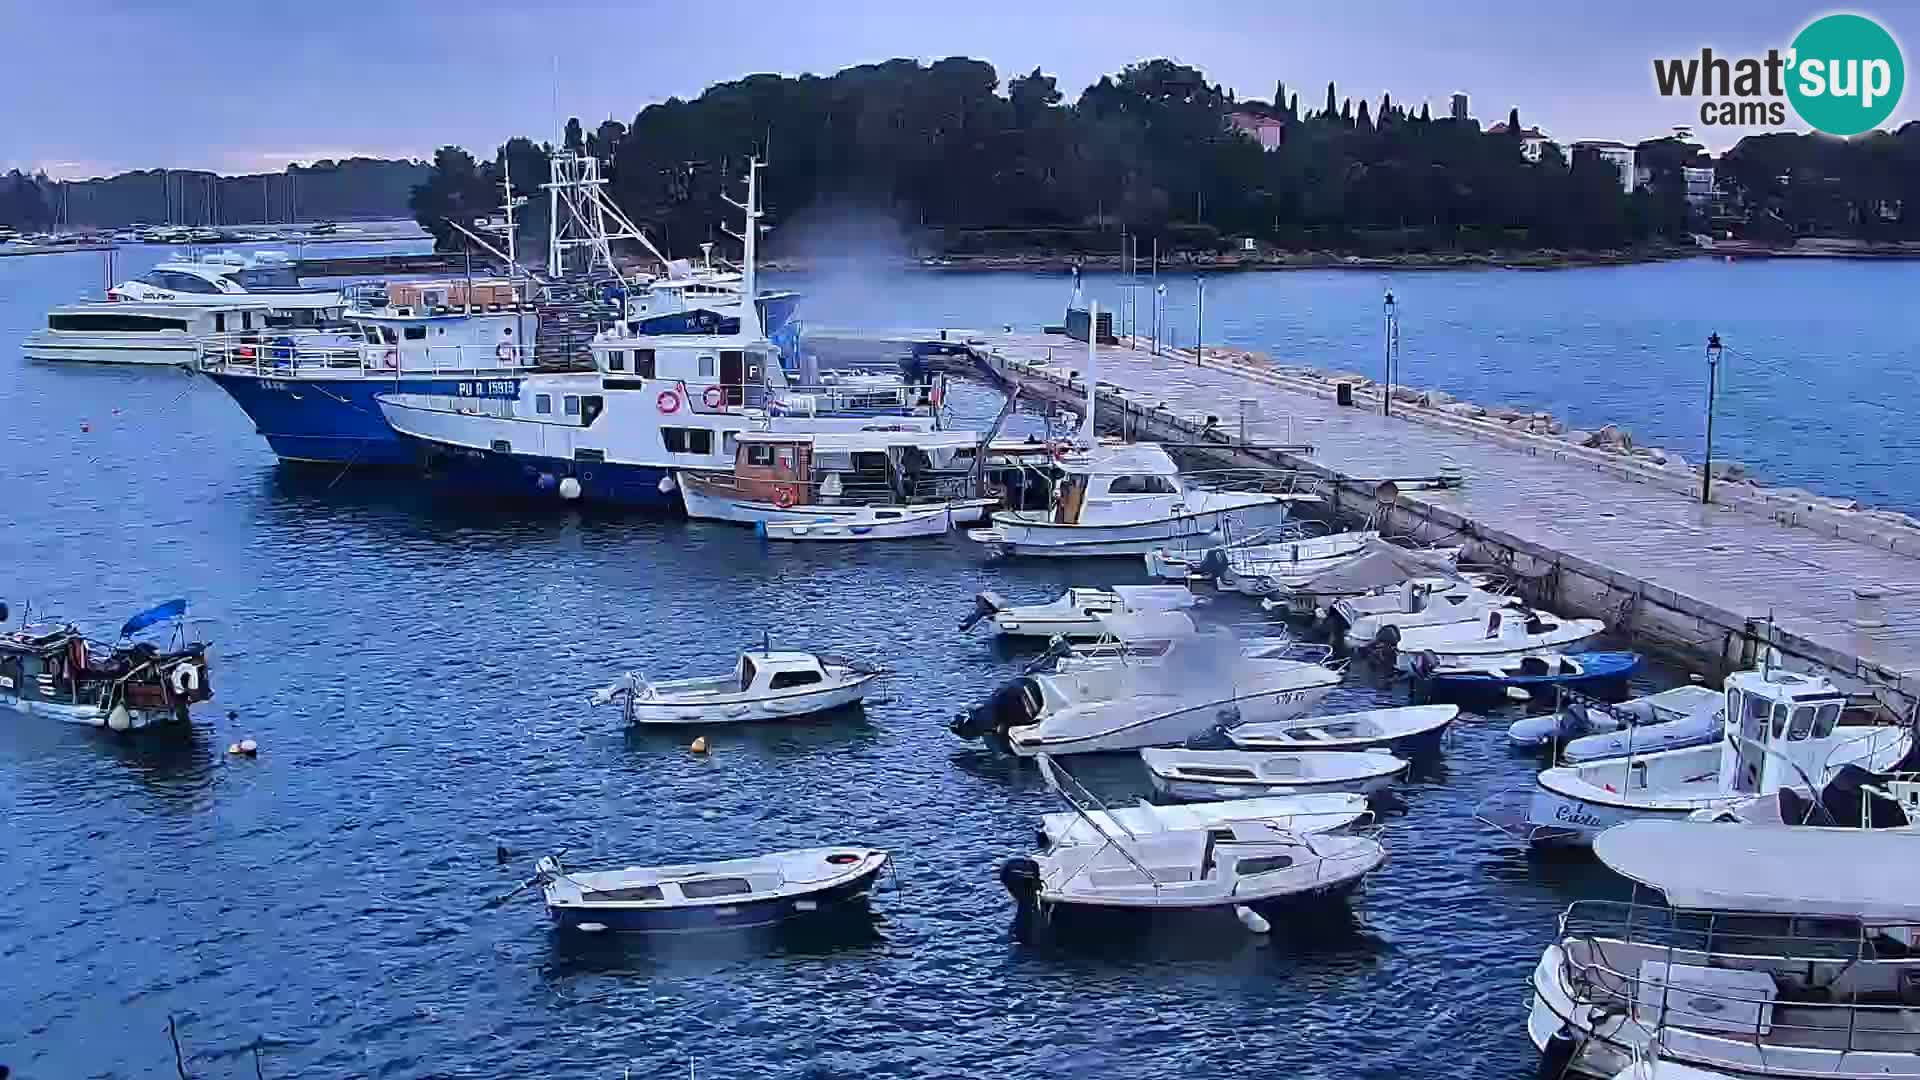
(783,496)
(390,359)
(714,397)
(668,401)
(185,679)
(505,352)
(1060,453)
(842,858)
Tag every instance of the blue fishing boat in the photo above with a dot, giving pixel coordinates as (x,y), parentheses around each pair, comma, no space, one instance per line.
(1533,672)
(731,894)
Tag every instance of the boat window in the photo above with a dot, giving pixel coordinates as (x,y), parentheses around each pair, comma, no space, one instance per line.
(1826,720)
(699,441)
(543,403)
(783,679)
(570,404)
(1265,864)
(502,446)
(1222,772)
(747,673)
(643,363)
(219,322)
(1779,720)
(1753,724)
(119,324)
(635,892)
(261,277)
(1140,485)
(616,361)
(706,366)
(1802,723)
(704,888)
(591,407)
(373,335)
(179,282)
(760,455)
(415,333)
(674,439)
(585,454)
(1733,704)
(785,456)
(388,336)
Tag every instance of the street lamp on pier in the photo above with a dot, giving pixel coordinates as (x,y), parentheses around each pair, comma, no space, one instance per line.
(1713,386)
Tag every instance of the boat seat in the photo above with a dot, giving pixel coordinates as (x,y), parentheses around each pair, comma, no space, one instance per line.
(1312,733)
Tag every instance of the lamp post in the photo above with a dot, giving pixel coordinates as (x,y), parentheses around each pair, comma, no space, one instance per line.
(1713,385)
(1200,322)
(1159,302)
(1392,346)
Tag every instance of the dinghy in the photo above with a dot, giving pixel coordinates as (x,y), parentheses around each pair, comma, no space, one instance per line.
(1264,569)
(1499,638)
(1324,812)
(1780,730)
(1668,720)
(1401,729)
(1531,672)
(1234,865)
(867,523)
(1076,613)
(1239,774)
(1188,684)
(764,685)
(733,894)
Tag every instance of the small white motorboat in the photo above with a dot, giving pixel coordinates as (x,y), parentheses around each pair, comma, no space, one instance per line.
(1499,636)
(1239,774)
(732,894)
(1241,865)
(1399,729)
(865,523)
(1285,561)
(1076,613)
(1322,812)
(1591,729)
(1417,603)
(764,685)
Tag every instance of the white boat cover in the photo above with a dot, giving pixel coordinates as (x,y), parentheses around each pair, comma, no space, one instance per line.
(1138,598)
(1867,874)
(1147,625)
(1379,565)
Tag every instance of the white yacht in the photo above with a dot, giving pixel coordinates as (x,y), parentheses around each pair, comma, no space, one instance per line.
(1781,730)
(269,279)
(1784,951)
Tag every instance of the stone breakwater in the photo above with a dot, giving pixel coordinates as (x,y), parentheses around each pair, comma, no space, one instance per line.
(1611,448)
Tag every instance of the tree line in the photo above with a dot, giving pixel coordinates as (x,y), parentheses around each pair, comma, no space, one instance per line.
(324,190)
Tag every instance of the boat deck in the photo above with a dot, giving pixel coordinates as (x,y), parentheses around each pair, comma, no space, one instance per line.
(1730,567)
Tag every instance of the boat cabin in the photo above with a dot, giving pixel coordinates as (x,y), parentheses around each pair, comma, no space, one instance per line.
(853,468)
(1118,484)
(444,337)
(1781,727)
(763,673)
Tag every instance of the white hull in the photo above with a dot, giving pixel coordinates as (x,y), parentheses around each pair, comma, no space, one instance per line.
(1202,791)
(165,349)
(1144,727)
(1011,534)
(1494,654)
(780,706)
(882,524)
(85,715)
(702,506)
(1301,814)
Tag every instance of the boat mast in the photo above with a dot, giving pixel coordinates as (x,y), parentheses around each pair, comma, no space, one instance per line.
(1093,373)
(749,248)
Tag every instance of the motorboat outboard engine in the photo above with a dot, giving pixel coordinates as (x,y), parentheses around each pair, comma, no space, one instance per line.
(1214,563)
(1384,649)
(1021,876)
(985,603)
(1007,707)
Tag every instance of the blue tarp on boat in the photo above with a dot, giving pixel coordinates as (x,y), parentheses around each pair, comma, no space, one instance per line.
(172,609)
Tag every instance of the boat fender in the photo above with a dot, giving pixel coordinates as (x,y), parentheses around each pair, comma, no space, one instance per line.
(118,719)
(1251,919)
(1556,1058)
(714,397)
(1021,876)
(699,744)
(390,359)
(667,402)
(185,679)
(569,487)
(783,496)
(667,485)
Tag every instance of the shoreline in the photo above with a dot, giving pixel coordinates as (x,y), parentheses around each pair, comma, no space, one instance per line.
(1052,262)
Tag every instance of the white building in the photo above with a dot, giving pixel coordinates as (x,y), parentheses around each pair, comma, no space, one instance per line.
(1265,130)
(1699,182)
(1533,141)
(1617,154)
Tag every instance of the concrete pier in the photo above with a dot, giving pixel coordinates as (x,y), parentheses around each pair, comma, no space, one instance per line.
(1607,536)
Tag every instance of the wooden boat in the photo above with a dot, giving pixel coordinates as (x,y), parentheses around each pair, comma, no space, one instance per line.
(55,671)
(868,523)
(764,685)
(1390,729)
(878,477)
(731,894)
(1239,774)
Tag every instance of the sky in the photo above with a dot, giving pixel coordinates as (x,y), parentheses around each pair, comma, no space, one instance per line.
(95,88)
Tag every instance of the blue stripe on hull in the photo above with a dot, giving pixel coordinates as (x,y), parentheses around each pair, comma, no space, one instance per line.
(487,474)
(707,918)
(330,420)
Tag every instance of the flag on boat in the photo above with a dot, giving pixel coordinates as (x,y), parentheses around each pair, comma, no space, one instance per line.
(172,609)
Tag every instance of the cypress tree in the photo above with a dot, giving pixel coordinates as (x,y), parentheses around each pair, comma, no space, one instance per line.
(1365,122)
(1426,117)
(1333,109)
(1293,107)
(1513,123)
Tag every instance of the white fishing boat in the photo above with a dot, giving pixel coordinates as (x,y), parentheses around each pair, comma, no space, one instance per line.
(1287,563)
(1780,730)
(868,523)
(764,685)
(1243,866)
(1418,602)
(1186,684)
(1398,729)
(1239,774)
(1323,812)
(730,894)
(852,475)
(1592,729)
(1779,952)
(1076,612)
(1501,636)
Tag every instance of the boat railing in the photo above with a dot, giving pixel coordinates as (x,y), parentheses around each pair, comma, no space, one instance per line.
(1844,995)
(313,352)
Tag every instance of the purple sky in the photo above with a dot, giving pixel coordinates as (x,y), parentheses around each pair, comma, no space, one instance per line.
(99,87)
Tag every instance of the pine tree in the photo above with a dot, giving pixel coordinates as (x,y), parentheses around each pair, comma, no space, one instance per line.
(1346,112)
(1280,96)
(1332,110)
(1426,117)
(1385,115)
(1293,107)
(1365,122)
(1513,123)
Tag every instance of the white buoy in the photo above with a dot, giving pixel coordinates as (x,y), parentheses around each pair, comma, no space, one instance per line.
(593,927)
(1251,919)
(569,487)
(118,719)
(667,485)
(249,747)
(1515,693)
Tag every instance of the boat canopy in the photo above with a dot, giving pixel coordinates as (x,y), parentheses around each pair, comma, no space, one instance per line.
(1145,598)
(1146,625)
(1868,874)
(1132,459)
(1380,565)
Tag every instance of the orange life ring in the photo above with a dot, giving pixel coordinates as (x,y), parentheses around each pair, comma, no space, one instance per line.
(668,401)
(714,397)
(783,496)
(391,359)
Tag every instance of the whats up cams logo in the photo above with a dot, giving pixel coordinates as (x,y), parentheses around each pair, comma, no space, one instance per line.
(1843,75)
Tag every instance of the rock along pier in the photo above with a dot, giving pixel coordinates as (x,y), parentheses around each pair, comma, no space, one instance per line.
(1603,535)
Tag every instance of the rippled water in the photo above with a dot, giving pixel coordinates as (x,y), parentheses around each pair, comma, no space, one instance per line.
(414,672)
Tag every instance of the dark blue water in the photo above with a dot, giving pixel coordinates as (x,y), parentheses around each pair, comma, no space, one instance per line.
(415,673)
